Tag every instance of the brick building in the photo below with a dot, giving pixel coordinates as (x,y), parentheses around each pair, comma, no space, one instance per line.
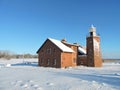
(94,58)
(61,54)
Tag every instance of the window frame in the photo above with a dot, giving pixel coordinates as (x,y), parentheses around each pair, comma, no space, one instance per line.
(48,61)
(55,61)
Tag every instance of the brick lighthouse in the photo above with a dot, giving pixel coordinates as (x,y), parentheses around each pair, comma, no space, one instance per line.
(94,58)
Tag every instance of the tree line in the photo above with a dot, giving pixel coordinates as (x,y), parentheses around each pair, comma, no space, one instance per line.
(4,54)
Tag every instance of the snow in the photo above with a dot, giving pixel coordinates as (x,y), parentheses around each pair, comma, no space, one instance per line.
(63,47)
(81,50)
(16,74)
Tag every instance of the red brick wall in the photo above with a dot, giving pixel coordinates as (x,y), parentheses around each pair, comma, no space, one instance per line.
(71,58)
(94,58)
(47,57)
(68,59)
(63,59)
(82,60)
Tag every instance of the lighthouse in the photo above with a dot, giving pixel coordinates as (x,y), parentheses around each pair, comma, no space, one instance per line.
(94,58)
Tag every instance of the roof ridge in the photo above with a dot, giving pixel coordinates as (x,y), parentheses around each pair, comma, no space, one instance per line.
(60,45)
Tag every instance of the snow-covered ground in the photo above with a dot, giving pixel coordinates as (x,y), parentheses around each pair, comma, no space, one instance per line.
(19,74)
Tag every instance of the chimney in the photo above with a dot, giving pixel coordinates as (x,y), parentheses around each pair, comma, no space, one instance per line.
(63,40)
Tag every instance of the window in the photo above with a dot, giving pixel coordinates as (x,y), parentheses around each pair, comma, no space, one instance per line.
(48,50)
(54,50)
(54,62)
(48,62)
(91,33)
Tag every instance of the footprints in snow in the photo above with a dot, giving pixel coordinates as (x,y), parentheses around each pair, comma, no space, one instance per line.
(29,84)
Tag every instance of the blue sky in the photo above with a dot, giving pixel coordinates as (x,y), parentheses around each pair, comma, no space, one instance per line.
(25,24)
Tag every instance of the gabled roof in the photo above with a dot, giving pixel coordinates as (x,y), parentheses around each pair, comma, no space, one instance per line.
(60,45)
(81,50)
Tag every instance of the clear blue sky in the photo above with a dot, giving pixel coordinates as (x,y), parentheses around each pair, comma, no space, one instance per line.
(25,24)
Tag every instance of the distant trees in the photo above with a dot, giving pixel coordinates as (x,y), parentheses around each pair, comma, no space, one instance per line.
(8,55)
(26,56)
(5,54)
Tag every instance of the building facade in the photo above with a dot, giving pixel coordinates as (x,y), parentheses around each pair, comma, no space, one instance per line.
(61,54)
(54,53)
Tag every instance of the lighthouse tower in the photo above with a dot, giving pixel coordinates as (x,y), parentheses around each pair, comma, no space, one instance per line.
(94,58)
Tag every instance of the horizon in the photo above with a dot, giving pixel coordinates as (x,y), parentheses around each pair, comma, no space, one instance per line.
(25,25)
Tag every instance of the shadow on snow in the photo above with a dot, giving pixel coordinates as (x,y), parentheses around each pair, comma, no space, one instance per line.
(108,79)
(35,64)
